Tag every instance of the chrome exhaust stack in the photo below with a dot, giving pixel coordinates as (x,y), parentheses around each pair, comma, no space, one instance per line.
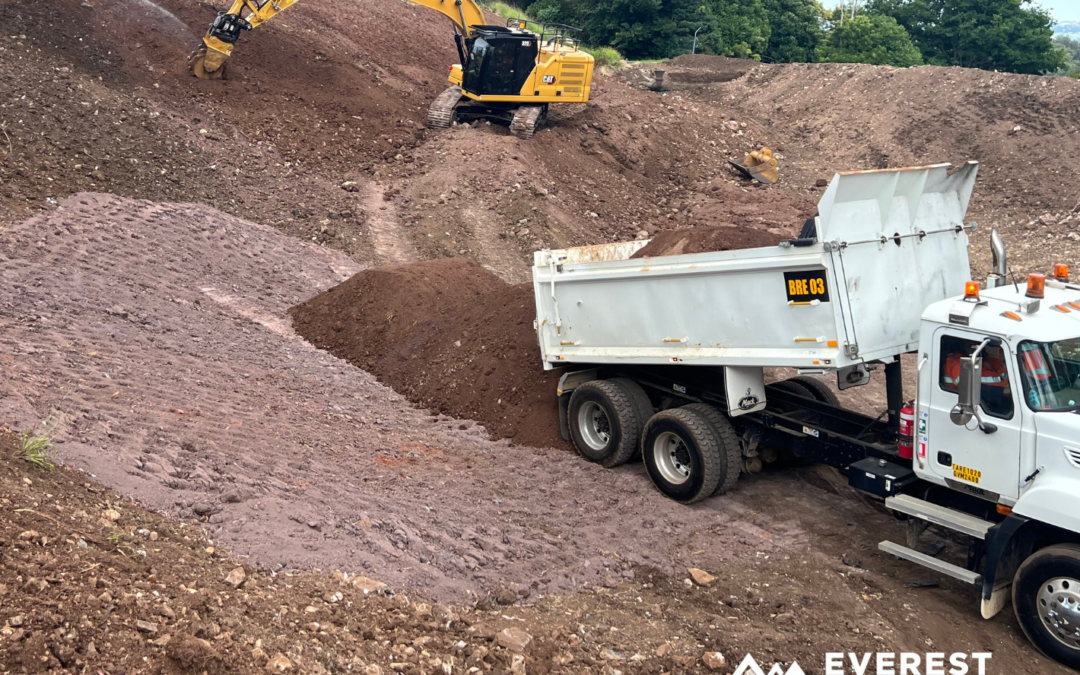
(1001,268)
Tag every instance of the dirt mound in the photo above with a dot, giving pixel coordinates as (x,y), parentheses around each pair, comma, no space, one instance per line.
(319,132)
(706,68)
(706,239)
(1022,128)
(449,335)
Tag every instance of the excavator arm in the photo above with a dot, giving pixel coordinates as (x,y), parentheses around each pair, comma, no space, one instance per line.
(208,62)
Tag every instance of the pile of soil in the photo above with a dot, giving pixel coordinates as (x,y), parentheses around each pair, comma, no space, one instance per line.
(1023,129)
(449,335)
(706,239)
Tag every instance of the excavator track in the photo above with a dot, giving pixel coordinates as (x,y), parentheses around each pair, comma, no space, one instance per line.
(527,119)
(441,113)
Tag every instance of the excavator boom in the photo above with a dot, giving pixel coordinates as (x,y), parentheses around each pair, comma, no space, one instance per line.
(208,62)
(464,13)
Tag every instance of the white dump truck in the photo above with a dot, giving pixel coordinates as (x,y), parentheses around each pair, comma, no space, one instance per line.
(664,360)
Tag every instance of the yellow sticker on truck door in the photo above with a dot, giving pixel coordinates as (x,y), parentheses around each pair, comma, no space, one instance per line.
(966,474)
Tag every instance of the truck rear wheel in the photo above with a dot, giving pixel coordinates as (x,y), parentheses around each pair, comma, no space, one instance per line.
(604,422)
(1046,599)
(730,447)
(682,454)
(818,389)
(642,404)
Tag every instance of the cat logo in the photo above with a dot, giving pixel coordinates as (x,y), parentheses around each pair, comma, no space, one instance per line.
(750,667)
(549,79)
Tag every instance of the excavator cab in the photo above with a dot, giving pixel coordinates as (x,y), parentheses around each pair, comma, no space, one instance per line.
(500,61)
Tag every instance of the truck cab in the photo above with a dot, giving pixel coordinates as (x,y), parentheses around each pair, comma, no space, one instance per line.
(1020,445)
(663,359)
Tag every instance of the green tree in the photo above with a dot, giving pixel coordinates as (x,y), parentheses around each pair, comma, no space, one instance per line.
(795,30)
(742,28)
(874,39)
(1008,35)
(1071,47)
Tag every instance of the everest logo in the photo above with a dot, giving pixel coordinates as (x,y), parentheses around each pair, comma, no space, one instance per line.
(750,667)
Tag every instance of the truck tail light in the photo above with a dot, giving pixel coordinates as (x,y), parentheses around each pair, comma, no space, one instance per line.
(1061,272)
(1036,285)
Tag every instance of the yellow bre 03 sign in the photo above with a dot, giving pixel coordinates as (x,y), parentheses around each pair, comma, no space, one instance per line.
(966,474)
(806,285)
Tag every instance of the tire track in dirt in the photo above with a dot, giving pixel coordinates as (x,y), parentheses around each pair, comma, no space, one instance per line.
(157,338)
(385,230)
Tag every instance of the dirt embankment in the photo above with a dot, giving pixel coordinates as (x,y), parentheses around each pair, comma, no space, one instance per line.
(706,239)
(1023,129)
(449,335)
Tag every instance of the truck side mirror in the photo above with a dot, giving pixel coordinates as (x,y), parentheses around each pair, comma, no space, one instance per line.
(970,390)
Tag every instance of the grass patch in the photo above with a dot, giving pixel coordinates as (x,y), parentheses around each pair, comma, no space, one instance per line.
(511,12)
(605,56)
(38,450)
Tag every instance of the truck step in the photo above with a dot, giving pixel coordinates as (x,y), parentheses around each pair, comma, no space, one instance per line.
(940,515)
(948,569)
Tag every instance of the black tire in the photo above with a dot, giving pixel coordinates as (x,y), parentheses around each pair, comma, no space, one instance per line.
(788,458)
(730,446)
(793,387)
(1032,585)
(611,433)
(682,454)
(818,389)
(642,404)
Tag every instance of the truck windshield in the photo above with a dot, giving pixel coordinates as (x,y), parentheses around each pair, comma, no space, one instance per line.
(1051,374)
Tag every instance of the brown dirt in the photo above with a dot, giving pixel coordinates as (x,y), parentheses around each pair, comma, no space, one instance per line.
(154,341)
(1023,129)
(449,335)
(323,137)
(92,582)
(706,239)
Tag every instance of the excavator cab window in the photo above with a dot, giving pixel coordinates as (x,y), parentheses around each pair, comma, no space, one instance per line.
(500,64)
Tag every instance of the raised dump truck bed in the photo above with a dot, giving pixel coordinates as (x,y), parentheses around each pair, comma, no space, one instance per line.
(888,244)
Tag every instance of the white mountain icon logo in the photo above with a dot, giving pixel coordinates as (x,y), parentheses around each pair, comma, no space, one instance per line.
(750,667)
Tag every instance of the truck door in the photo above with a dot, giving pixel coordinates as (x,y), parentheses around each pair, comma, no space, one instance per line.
(969,458)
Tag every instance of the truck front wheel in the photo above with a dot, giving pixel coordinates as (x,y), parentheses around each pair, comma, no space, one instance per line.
(1046,598)
(682,454)
(604,422)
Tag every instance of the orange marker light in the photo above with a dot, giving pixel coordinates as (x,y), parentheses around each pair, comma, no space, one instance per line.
(1061,272)
(1011,315)
(971,290)
(1004,510)
(1036,285)
(1074,305)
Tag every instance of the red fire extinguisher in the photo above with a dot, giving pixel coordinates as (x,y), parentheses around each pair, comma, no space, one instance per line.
(907,430)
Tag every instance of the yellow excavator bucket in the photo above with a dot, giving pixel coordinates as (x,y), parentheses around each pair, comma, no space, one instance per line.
(759,165)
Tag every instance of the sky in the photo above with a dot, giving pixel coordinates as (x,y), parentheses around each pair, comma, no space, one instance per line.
(1062,10)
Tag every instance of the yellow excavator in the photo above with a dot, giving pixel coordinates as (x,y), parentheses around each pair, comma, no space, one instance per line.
(508,74)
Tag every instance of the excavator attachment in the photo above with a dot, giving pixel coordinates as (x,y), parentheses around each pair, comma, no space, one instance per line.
(208,61)
(759,165)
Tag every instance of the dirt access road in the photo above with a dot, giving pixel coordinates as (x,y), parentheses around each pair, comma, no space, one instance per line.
(154,340)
